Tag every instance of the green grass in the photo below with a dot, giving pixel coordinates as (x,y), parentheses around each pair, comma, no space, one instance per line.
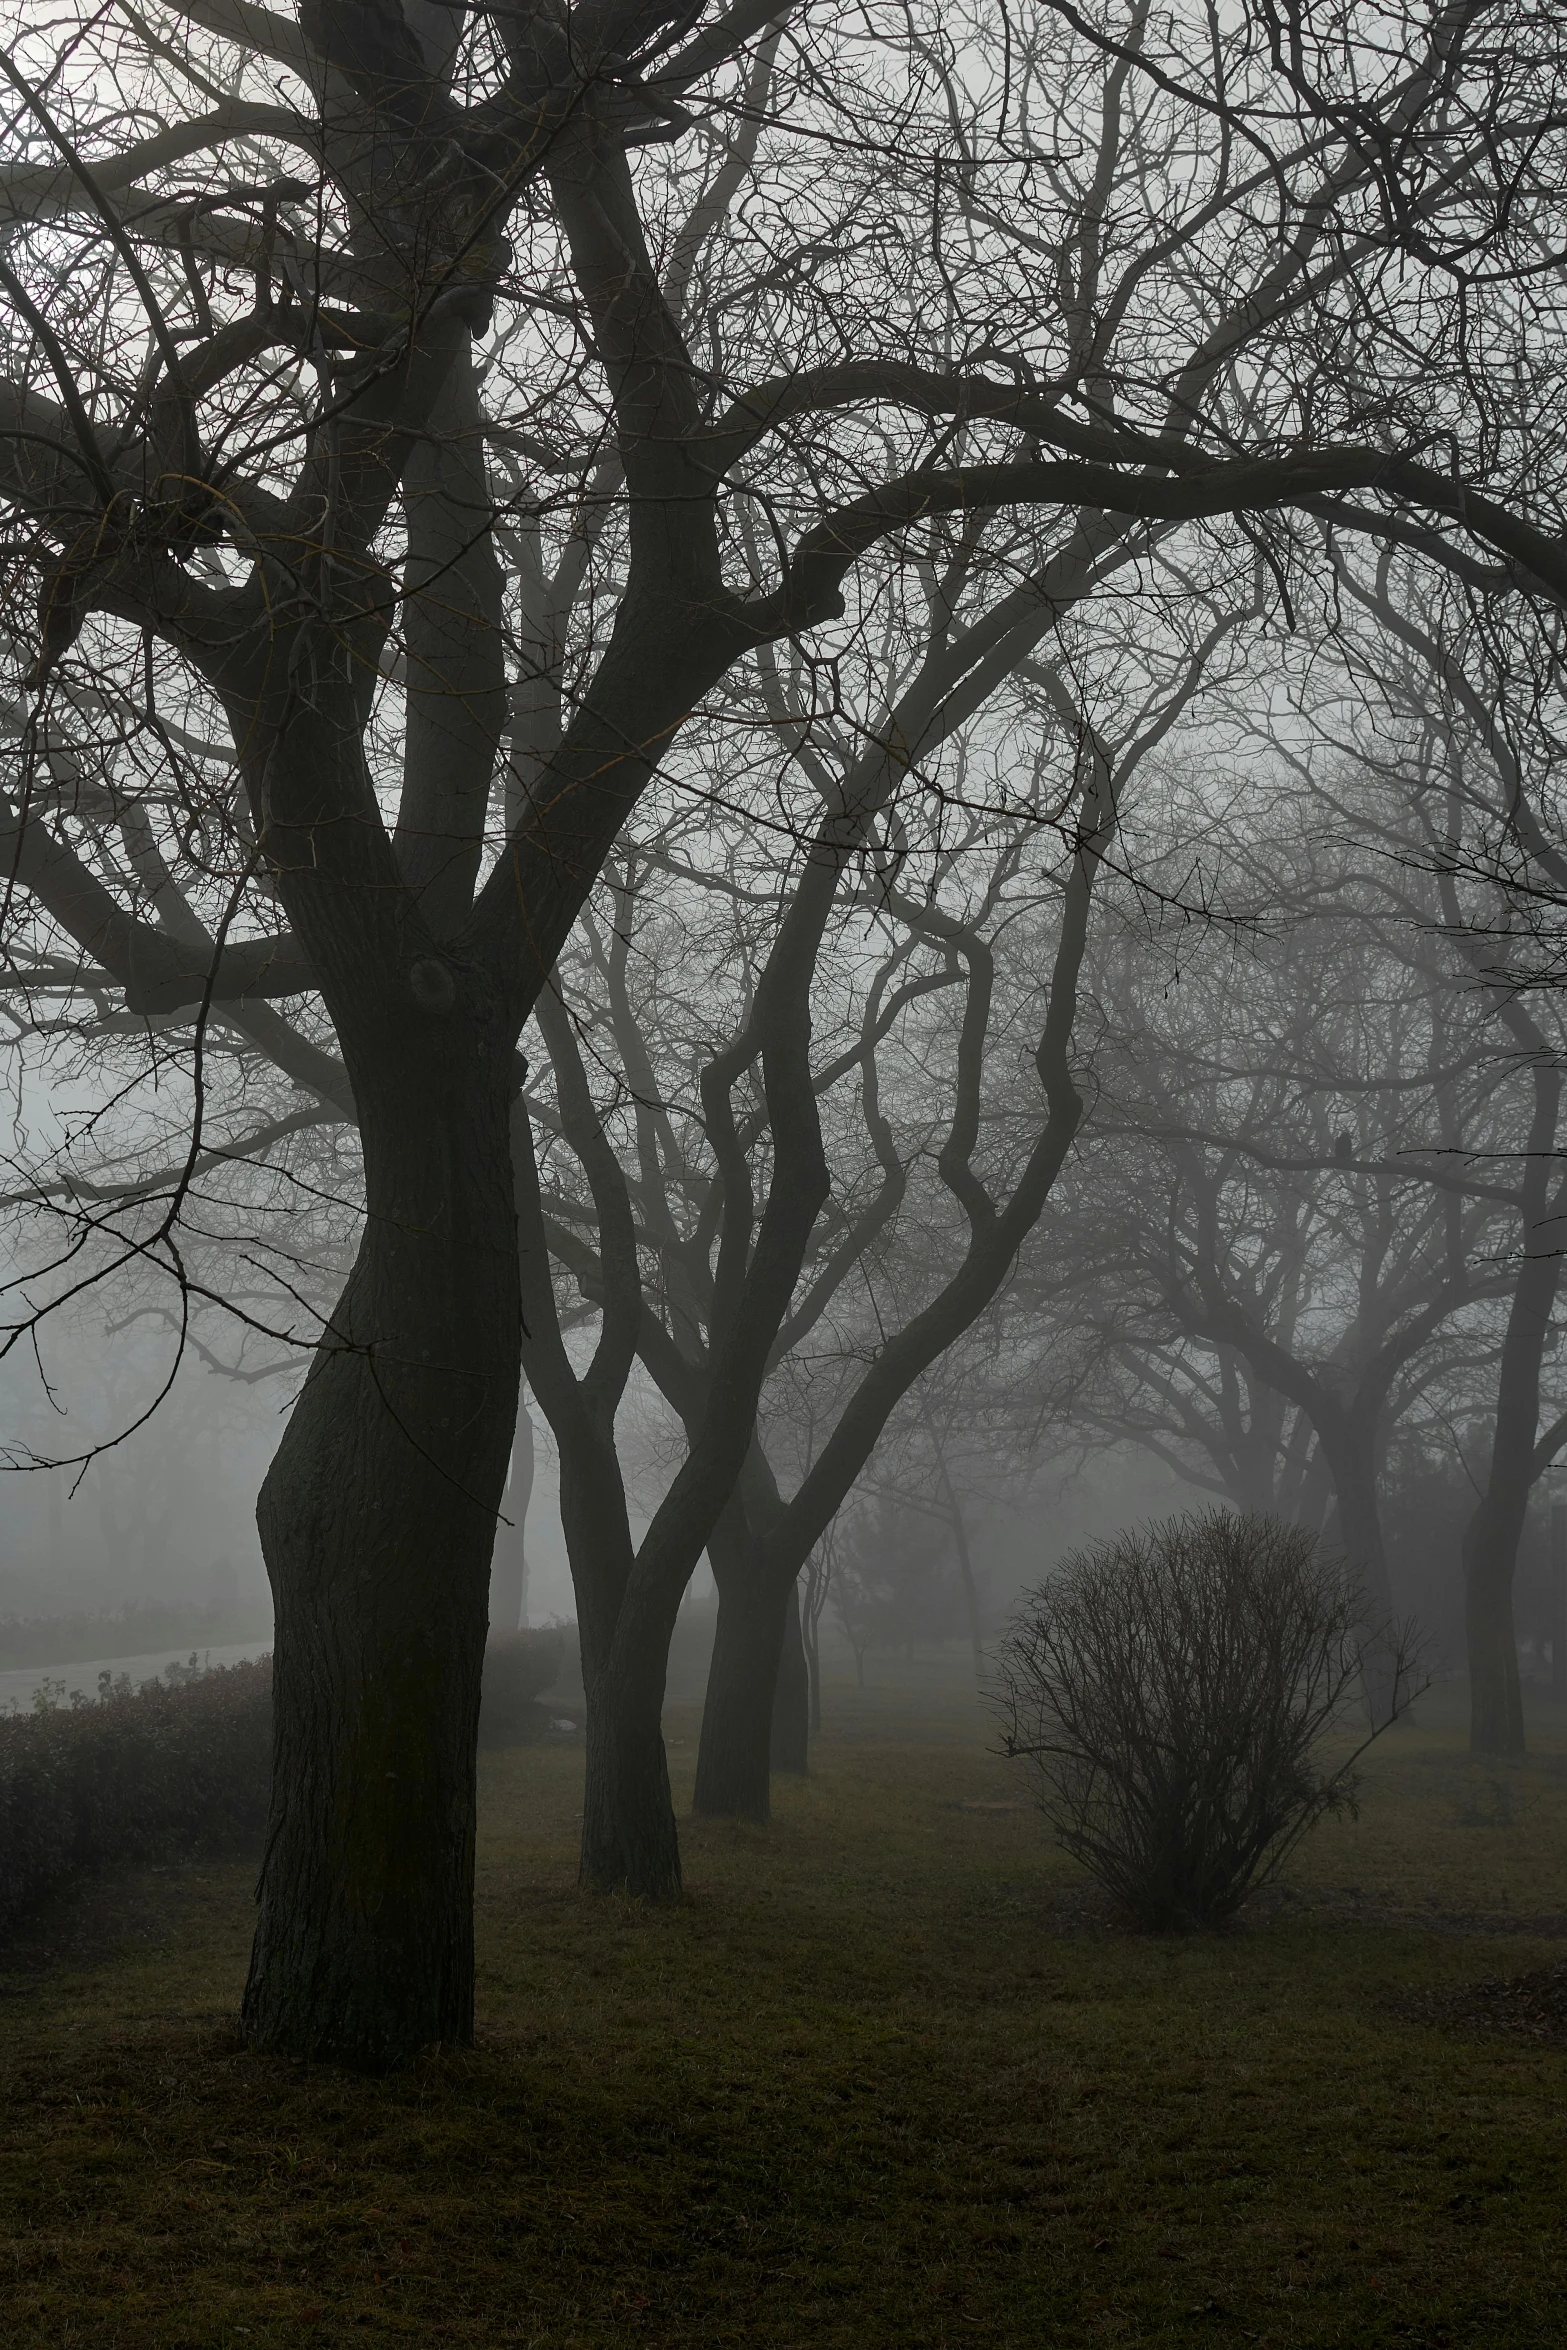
(886,2077)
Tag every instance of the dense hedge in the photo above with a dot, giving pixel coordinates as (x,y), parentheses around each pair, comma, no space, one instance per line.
(181,1765)
(144,1774)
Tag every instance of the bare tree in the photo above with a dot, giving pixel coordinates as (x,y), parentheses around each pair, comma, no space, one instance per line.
(966,1444)
(509,1560)
(1302,1218)
(895,1590)
(1456,783)
(660,1234)
(252,463)
(658,1231)
(816,1587)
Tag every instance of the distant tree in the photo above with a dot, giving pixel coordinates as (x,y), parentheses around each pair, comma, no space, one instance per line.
(892,1585)
(815,1591)
(714,1039)
(1270,1306)
(1466,795)
(509,1560)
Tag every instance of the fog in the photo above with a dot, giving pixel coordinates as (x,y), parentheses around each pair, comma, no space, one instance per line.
(165,1515)
(783,1020)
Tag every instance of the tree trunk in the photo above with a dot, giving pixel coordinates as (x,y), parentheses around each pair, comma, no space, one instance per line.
(789,1749)
(630,1843)
(970,1586)
(1492,1536)
(1360,1537)
(377,1518)
(1311,1499)
(629,1838)
(1490,1552)
(509,1564)
(733,1760)
(813,1663)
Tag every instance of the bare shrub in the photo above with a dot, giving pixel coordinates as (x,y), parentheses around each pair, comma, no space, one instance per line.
(1172,1689)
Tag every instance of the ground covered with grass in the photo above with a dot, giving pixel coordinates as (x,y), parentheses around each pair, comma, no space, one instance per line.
(888,2076)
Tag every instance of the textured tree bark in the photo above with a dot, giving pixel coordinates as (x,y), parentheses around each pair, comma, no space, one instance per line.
(789,1749)
(377,1519)
(733,1766)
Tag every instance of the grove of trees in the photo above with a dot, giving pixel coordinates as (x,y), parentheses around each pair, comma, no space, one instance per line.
(762,700)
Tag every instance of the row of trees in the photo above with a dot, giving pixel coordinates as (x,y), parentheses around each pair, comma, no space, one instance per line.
(693,529)
(1350,1224)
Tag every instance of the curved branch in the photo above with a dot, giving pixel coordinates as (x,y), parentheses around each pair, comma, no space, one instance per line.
(158,972)
(822,558)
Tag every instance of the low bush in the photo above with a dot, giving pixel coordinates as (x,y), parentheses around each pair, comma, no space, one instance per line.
(178,1766)
(518,1668)
(1171,1690)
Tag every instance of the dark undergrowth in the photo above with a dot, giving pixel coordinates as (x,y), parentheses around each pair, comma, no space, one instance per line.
(154,1773)
(888,2078)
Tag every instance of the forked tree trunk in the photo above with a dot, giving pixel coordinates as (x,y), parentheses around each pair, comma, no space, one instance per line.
(789,1748)
(630,1843)
(629,1839)
(377,1518)
(733,1767)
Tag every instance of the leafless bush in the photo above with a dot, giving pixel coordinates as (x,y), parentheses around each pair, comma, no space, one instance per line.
(1172,1688)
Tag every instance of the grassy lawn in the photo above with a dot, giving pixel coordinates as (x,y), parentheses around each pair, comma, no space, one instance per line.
(887,2076)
